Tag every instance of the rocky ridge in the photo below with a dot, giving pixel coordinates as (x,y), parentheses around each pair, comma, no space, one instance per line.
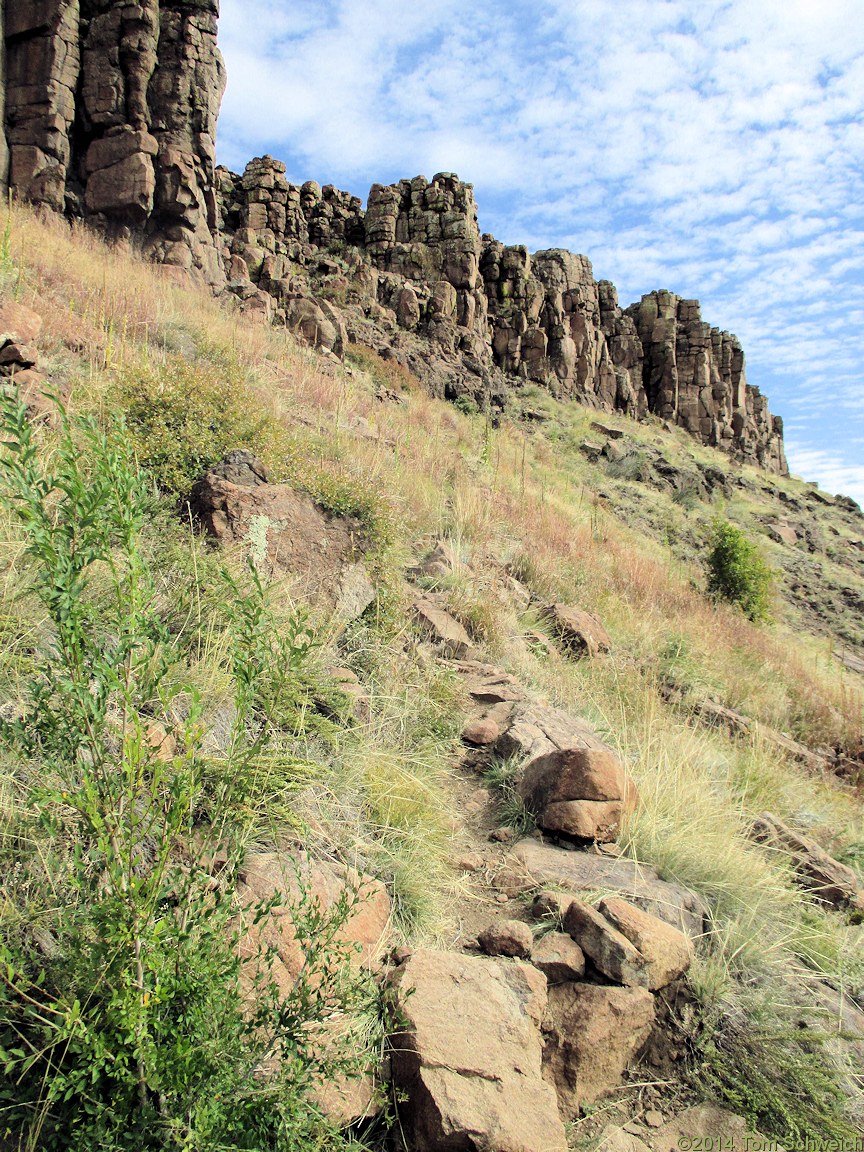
(110,116)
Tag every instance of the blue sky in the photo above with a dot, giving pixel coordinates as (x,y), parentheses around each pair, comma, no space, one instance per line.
(715,149)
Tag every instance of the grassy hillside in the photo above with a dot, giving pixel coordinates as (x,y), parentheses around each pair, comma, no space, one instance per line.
(536,513)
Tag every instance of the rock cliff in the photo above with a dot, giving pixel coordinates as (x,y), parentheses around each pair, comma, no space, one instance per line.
(110,115)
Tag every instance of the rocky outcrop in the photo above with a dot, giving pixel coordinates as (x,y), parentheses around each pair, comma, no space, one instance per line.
(110,113)
(415,279)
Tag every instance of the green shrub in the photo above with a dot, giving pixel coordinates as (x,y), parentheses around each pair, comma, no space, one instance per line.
(737,572)
(184,416)
(122,1019)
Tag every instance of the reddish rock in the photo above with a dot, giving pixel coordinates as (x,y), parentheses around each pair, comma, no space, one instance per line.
(481,732)
(507,938)
(447,633)
(582,792)
(824,877)
(667,951)
(610,951)
(558,957)
(469,1059)
(18,324)
(592,1033)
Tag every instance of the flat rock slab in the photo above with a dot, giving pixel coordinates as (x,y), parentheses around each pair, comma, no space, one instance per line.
(443,630)
(546,866)
(824,877)
(470,1057)
(536,730)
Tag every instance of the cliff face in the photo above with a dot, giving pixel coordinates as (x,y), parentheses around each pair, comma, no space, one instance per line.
(110,115)
(413,277)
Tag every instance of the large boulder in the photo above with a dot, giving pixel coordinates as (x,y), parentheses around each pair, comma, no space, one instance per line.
(469,1056)
(581,792)
(320,556)
(593,1031)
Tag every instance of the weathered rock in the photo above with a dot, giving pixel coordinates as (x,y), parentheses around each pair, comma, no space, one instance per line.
(824,877)
(507,938)
(447,633)
(582,792)
(441,561)
(558,957)
(666,950)
(18,324)
(700,1122)
(481,732)
(321,555)
(592,1033)
(609,950)
(579,632)
(363,936)
(577,872)
(535,730)
(469,1058)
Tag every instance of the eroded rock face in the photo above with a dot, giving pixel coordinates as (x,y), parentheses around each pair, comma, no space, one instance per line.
(110,113)
(469,1057)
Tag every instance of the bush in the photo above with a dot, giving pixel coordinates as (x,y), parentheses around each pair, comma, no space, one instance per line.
(737,573)
(122,1019)
(185,416)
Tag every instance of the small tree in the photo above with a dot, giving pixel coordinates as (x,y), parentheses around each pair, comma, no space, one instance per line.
(737,572)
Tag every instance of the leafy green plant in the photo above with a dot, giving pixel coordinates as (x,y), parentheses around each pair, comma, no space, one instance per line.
(127,1017)
(737,572)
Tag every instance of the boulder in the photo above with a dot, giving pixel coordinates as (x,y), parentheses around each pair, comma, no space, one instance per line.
(593,1032)
(610,951)
(18,324)
(829,881)
(319,556)
(666,950)
(548,867)
(581,633)
(582,792)
(558,957)
(507,938)
(445,632)
(363,935)
(469,1057)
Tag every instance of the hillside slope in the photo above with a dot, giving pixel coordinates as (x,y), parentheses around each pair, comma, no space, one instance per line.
(235,684)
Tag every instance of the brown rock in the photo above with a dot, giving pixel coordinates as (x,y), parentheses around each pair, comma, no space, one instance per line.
(481,732)
(469,1059)
(824,877)
(441,561)
(616,1139)
(695,1124)
(666,951)
(558,957)
(611,952)
(18,324)
(578,872)
(320,555)
(507,938)
(535,730)
(592,1033)
(363,935)
(16,356)
(443,630)
(125,189)
(582,792)
(580,632)
(549,905)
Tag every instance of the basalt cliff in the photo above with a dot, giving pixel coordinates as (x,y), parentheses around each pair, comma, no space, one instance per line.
(110,113)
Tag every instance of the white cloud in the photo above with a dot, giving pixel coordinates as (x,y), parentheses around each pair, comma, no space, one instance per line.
(714,149)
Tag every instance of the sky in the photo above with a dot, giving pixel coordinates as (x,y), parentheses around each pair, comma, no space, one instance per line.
(714,149)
